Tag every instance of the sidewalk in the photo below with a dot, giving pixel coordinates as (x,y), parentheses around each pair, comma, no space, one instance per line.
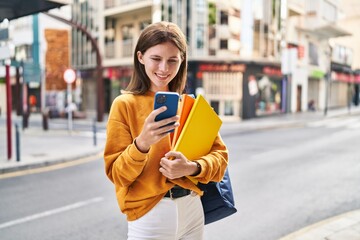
(56,145)
(343,227)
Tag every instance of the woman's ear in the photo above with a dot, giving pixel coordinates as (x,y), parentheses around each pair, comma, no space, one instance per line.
(140,57)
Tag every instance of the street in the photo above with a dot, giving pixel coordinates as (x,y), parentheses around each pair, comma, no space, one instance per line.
(283,179)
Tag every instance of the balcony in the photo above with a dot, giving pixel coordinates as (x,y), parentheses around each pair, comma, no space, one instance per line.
(117,3)
(115,8)
(127,47)
(119,49)
(296,7)
(110,50)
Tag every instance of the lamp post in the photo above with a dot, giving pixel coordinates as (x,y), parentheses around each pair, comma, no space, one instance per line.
(69,77)
(6,55)
(327,79)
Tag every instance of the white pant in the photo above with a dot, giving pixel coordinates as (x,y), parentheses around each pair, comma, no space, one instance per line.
(181,218)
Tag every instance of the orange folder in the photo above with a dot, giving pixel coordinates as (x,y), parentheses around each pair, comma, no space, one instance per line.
(185,107)
(199,131)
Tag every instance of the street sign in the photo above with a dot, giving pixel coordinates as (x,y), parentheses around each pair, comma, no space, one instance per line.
(32,72)
(4,52)
(69,75)
(4,34)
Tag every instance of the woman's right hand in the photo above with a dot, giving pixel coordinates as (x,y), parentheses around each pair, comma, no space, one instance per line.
(153,131)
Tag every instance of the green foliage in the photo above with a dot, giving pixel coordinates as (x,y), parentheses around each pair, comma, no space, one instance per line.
(212,13)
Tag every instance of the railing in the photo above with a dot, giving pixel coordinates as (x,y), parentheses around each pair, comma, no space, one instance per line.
(110,50)
(127,48)
(117,3)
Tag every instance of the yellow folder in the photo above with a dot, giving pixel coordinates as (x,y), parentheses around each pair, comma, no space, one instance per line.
(199,132)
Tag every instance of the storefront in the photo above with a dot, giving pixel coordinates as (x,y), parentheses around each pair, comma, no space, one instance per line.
(265,90)
(221,84)
(239,90)
(116,79)
(341,86)
(316,90)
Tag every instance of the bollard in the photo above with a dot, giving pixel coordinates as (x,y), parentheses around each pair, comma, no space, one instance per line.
(94,131)
(45,120)
(17,141)
(25,119)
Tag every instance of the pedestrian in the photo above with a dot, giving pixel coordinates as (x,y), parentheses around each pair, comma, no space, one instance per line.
(151,186)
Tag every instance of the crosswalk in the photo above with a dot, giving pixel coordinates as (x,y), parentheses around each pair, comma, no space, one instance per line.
(334,123)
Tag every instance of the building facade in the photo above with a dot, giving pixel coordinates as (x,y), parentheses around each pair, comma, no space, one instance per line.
(249,58)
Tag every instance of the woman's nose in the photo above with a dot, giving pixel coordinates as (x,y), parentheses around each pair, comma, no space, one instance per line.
(163,66)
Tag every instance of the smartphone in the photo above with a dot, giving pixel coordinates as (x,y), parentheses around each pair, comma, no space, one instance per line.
(168,99)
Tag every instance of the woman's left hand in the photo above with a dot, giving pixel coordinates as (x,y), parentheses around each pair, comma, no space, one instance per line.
(176,165)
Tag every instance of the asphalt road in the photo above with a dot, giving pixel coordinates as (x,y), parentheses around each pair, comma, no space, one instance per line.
(283,180)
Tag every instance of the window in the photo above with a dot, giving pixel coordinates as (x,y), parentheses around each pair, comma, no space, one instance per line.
(127,36)
(313,54)
(179,12)
(223,44)
(23,52)
(200,36)
(144,24)
(229,108)
(200,5)
(127,32)
(329,12)
(224,18)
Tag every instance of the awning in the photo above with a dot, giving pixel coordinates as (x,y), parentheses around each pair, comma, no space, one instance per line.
(12,9)
(326,31)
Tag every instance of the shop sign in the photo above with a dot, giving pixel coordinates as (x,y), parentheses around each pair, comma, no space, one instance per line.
(272,71)
(216,67)
(114,73)
(342,77)
(357,78)
(212,67)
(317,74)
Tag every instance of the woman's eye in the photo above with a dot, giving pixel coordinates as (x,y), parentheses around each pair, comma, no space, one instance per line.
(173,61)
(156,59)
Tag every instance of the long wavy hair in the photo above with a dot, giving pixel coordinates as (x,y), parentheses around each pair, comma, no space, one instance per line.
(154,34)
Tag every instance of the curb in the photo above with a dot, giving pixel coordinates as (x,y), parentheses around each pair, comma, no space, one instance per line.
(28,166)
(338,226)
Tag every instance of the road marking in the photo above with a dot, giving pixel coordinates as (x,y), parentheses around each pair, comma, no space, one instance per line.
(52,167)
(50,212)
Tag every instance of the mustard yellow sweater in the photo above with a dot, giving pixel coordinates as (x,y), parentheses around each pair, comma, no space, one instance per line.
(138,183)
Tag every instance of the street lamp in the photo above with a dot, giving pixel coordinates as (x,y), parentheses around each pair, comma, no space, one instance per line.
(5,54)
(328,53)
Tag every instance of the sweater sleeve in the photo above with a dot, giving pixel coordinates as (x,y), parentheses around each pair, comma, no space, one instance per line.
(214,164)
(123,161)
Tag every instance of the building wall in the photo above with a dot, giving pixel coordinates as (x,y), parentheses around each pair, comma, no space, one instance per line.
(57,58)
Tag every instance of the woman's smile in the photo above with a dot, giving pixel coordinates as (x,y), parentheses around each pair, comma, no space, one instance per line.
(162,63)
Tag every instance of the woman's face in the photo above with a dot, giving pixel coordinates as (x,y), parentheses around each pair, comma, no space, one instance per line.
(162,63)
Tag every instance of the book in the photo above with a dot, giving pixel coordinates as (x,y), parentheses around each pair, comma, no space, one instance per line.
(186,104)
(199,132)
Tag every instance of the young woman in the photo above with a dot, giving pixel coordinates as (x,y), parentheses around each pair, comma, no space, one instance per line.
(149,178)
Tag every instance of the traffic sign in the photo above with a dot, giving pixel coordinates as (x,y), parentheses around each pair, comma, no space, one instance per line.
(69,75)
